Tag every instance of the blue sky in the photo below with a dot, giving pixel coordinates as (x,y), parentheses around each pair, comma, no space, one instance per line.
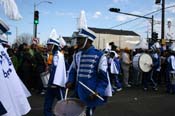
(62,15)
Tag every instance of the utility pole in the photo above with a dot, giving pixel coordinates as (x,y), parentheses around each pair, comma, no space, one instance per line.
(163,21)
(34,25)
(162,18)
(36,15)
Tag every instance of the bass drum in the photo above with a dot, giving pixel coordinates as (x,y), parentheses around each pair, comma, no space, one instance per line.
(142,62)
(70,107)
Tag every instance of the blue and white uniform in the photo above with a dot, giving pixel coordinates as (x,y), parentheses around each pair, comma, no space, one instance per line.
(57,74)
(57,77)
(115,70)
(171,74)
(89,67)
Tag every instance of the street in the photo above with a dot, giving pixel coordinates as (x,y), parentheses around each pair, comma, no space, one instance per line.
(128,102)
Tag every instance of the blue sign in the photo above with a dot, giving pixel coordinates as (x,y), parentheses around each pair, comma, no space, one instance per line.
(8,33)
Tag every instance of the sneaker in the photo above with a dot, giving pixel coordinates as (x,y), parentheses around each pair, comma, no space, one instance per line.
(119,89)
(42,93)
(114,87)
(145,89)
(155,89)
(128,85)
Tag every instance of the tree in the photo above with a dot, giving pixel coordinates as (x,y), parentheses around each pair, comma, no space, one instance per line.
(24,38)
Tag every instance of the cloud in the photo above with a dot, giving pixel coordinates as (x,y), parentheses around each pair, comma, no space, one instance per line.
(136,13)
(172,9)
(59,13)
(117,1)
(97,14)
(107,18)
(123,18)
(45,12)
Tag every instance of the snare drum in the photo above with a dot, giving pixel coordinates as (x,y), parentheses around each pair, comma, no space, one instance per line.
(142,62)
(70,107)
(45,78)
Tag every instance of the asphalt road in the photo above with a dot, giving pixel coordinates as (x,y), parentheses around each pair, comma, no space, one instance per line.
(128,102)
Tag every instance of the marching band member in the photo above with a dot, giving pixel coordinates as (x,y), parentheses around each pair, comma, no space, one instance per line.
(170,85)
(14,94)
(57,77)
(115,70)
(89,67)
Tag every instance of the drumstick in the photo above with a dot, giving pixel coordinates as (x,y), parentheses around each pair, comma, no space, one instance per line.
(66,93)
(91,90)
(147,64)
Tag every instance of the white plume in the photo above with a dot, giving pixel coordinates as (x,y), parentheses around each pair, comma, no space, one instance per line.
(53,34)
(82,20)
(62,41)
(11,9)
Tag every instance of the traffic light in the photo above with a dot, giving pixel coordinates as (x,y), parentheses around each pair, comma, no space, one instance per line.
(114,9)
(157,1)
(36,17)
(154,36)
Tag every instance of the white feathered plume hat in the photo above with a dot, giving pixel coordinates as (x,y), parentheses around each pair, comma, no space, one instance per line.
(3,29)
(87,33)
(11,9)
(55,39)
(83,30)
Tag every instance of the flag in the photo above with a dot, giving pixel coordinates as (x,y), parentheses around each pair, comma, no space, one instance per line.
(60,73)
(113,68)
(13,92)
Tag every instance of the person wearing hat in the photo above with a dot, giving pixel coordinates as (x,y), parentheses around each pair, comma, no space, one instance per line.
(125,64)
(57,79)
(4,41)
(88,68)
(114,71)
(170,72)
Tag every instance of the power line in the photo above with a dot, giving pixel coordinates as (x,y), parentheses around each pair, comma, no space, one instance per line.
(135,26)
(143,15)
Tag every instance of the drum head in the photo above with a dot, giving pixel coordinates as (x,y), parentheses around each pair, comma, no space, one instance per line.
(69,107)
(145,62)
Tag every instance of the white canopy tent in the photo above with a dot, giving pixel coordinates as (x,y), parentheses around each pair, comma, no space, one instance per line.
(142,44)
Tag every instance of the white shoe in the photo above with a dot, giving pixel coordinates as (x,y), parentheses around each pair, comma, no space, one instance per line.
(42,93)
(145,89)
(128,85)
(119,89)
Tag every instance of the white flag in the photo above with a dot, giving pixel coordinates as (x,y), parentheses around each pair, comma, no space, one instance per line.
(60,73)
(13,93)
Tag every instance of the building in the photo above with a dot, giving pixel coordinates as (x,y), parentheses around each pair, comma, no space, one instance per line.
(121,38)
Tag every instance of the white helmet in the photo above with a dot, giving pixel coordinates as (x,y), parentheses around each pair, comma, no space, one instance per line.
(85,32)
(172,47)
(3,39)
(55,39)
(3,27)
(61,41)
(155,46)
